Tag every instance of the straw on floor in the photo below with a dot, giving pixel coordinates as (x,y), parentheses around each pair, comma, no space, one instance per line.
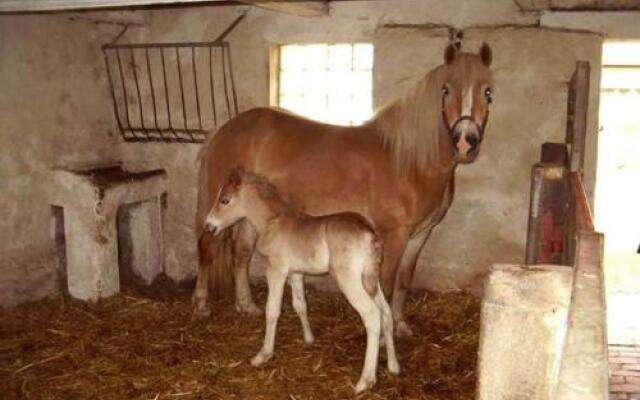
(136,346)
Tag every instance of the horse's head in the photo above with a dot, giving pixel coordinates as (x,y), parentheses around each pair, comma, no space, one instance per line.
(465,96)
(228,207)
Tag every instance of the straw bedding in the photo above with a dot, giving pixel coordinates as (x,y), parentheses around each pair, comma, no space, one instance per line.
(146,346)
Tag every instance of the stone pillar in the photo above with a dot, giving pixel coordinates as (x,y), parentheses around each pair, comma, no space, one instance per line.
(522,331)
(92,259)
(147,250)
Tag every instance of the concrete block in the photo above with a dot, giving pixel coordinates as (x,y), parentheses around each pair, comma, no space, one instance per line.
(523,326)
(91,198)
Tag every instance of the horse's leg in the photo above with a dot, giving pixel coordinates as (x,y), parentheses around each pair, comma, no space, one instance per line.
(409,260)
(276,278)
(403,281)
(394,244)
(300,304)
(350,282)
(387,332)
(244,240)
(206,248)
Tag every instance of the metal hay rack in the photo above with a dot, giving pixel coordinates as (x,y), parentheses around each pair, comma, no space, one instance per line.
(171,92)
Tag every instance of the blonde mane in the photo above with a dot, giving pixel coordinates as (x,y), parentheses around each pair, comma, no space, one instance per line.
(409,126)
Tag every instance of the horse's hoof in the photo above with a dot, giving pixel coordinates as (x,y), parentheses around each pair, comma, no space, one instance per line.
(364,384)
(403,329)
(260,358)
(393,367)
(202,312)
(248,309)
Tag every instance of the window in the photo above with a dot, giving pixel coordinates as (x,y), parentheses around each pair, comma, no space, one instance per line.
(326,82)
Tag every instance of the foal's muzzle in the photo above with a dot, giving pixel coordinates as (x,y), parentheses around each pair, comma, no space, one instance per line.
(209,227)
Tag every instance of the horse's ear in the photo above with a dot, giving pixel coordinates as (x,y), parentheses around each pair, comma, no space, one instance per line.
(450,53)
(486,55)
(236,176)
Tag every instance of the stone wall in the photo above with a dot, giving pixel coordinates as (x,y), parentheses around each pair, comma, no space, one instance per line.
(55,110)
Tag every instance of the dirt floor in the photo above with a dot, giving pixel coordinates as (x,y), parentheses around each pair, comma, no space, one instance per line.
(134,346)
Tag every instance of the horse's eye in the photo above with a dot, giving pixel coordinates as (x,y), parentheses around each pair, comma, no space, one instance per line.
(445,90)
(224,202)
(488,94)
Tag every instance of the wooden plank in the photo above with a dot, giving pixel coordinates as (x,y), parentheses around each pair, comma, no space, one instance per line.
(547,214)
(554,153)
(309,8)
(577,108)
(578,5)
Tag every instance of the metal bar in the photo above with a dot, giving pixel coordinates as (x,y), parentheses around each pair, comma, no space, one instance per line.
(153,91)
(184,107)
(166,93)
(124,90)
(135,77)
(113,93)
(195,84)
(224,82)
(233,83)
(162,45)
(213,97)
(231,27)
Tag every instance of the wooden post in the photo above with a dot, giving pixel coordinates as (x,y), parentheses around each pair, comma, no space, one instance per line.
(547,214)
(577,107)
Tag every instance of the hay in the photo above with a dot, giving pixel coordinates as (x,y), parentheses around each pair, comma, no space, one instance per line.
(136,347)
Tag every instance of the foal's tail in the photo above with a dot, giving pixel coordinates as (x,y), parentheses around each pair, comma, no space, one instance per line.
(371,274)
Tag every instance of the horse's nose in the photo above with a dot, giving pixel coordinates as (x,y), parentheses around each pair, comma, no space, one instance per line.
(209,227)
(472,139)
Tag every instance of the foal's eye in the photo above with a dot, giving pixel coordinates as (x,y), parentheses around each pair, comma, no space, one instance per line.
(488,94)
(445,90)
(224,202)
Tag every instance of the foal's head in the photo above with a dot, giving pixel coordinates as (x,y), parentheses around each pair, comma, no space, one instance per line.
(230,205)
(244,195)
(465,96)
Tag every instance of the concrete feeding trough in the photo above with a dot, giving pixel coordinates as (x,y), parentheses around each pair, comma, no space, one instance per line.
(86,203)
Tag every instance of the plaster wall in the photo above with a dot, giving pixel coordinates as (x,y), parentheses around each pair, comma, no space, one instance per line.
(55,109)
(488,221)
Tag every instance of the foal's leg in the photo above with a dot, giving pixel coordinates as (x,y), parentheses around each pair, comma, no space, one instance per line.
(387,330)
(276,278)
(300,304)
(350,282)
(244,240)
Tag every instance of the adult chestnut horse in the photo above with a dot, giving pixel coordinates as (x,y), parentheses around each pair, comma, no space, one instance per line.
(397,170)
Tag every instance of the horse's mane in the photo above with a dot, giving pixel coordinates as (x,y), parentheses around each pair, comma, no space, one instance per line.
(409,126)
(268,193)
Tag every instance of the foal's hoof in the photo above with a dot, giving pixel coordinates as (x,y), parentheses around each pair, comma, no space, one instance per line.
(364,384)
(248,309)
(402,329)
(261,358)
(393,367)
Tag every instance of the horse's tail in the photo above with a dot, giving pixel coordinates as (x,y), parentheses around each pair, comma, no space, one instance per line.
(215,253)
(371,273)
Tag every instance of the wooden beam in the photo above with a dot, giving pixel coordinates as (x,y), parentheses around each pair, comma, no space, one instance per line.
(309,8)
(578,5)
(8,6)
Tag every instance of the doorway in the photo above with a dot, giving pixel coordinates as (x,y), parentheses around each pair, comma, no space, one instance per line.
(617,197)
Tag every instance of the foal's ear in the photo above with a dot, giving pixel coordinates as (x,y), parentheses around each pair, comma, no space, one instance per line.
(450,53)
(486,55)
